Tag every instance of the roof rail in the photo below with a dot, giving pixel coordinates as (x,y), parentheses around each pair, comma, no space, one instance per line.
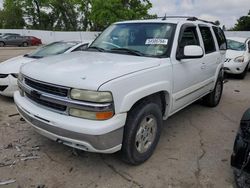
(189,18)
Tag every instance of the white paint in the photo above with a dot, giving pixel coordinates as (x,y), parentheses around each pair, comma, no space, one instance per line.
(52,36)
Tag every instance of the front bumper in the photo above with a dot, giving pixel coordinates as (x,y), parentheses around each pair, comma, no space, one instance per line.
(8,86)
(93,136)
(234,67)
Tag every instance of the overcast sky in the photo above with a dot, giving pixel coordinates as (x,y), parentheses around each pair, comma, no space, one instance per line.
(226,11)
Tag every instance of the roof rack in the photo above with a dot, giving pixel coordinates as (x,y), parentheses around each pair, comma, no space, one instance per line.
(188,18)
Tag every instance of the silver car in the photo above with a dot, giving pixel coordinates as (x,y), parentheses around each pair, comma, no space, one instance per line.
(13,40)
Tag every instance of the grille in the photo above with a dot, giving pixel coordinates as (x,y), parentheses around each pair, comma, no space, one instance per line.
(45,103)
(228,60)
(46,88)
(2,88)
(3,75)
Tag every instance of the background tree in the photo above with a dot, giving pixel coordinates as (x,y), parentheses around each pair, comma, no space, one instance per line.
(12,15)
(103,14)
(243,23)
(70,15)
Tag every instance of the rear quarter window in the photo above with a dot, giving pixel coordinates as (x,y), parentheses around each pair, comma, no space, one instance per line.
(221,39)
(208,39)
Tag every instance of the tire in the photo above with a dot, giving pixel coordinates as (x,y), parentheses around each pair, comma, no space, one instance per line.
(242,180)
(2,44)
(243,74)
(25,44)
(213,98)
(139,144)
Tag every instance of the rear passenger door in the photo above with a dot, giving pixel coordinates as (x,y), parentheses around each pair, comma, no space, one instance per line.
(188,74)
(212,57)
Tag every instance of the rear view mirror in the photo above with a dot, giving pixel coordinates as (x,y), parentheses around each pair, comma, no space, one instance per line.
(192,51)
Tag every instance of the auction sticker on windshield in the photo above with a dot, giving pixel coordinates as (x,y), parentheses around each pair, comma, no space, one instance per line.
(156,41)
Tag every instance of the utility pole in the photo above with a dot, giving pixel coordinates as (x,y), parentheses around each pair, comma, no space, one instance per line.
(38,12)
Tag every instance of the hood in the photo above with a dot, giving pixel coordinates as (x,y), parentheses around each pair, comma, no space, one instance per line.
(13,65)
(231,54)
(86,70)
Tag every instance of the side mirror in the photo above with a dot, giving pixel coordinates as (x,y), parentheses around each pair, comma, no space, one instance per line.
(192,51)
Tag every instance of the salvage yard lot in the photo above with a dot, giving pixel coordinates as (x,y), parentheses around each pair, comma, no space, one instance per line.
(194,149)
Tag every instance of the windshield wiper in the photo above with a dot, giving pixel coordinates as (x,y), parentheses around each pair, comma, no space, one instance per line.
(130,51)
(32,56)
(96,48)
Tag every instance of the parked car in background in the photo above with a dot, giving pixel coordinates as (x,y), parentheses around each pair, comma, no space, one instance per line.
(34,41)
(115,95)
(238,56)
(10,68)
(9,34)
(14,40)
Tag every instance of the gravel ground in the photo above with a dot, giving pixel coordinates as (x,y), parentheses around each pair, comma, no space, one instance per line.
(194,150)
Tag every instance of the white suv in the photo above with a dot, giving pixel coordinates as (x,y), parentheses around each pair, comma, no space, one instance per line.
(114,95)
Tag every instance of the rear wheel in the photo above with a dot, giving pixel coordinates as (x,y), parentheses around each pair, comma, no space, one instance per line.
(142,132)
(2,44)
(25,44)
(213,98)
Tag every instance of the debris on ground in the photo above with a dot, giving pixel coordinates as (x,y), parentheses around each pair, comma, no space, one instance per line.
(30,158)
(9,146)
(41,186)
(21,119)
(12,115)
(7,182)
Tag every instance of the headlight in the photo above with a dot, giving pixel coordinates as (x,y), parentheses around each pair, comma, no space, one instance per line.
(239,59)
(100,97)
(91,96)
(90,114)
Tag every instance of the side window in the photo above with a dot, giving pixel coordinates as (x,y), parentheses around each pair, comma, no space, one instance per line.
(189,37)
(207,39)
(221,39)
(81,48)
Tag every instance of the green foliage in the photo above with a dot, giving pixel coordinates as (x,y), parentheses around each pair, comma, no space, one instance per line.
(103,14)
(243,23)
(12,15)
(71,15)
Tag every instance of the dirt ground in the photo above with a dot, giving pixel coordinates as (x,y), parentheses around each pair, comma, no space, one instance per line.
(194,150)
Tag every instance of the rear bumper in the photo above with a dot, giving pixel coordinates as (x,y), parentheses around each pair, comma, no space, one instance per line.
(8,86)
(93,136)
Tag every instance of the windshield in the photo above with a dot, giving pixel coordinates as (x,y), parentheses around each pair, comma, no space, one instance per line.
(145,39)
(235,45)
(52,49)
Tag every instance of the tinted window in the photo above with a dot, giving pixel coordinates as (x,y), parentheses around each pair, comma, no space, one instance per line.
(189,37)
(222,43)
(207,39)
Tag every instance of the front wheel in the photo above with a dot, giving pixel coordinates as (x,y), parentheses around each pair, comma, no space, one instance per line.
(213,98)
(2,44)
(142,132)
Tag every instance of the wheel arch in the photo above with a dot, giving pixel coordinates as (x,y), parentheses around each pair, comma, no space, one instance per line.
(160,97)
